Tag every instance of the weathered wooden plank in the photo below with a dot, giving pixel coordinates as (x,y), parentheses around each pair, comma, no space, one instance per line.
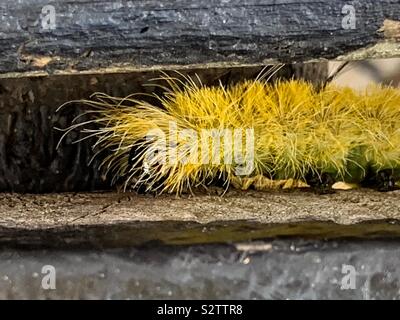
(108,36)
(117,220)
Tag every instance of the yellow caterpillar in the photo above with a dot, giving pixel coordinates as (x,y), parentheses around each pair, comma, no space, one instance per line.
(249,132)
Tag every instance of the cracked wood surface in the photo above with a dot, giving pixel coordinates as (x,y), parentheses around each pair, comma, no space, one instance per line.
(120,36)
(119,219)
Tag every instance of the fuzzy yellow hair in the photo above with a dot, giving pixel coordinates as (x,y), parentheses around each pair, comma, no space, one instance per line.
(297,129)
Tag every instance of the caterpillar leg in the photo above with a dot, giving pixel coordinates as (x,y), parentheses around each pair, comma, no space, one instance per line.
(385,181)
(321,183)
(382,181)
(136,153)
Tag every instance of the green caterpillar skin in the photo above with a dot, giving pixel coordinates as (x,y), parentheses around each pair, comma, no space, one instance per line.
(358,170)
(357,166)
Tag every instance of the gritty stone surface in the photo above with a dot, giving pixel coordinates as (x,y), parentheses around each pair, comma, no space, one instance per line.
(124,219)
(50,210)
(279,269)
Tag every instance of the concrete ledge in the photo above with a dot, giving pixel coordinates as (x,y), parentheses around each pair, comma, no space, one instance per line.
(277,269)
(125,219)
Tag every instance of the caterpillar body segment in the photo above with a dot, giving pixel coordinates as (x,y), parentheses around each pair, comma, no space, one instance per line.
(252,134)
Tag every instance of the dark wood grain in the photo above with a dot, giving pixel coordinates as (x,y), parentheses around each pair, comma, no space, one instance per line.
(101,36)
